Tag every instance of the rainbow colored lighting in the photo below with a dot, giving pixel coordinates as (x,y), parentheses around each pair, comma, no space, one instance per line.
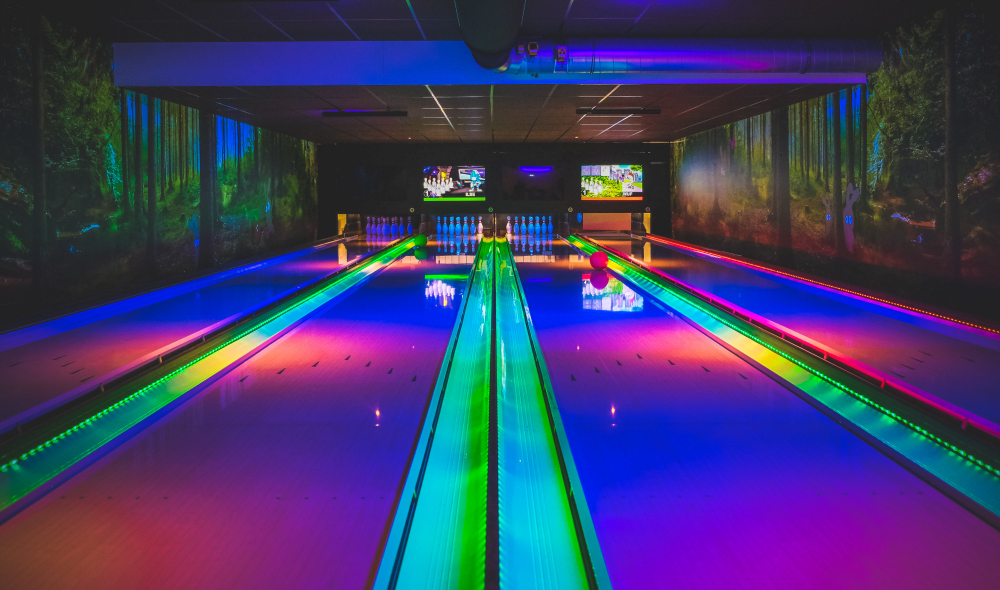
(120,417)
(634,273)
(795,277)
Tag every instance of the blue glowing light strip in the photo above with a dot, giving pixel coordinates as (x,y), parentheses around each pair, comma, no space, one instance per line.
(973,476)
(21,476)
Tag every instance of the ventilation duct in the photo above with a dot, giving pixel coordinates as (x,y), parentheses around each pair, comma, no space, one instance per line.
(490,29)
(715,56)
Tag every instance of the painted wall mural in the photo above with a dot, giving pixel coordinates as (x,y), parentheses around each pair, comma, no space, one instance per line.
(891,173)
(106,150)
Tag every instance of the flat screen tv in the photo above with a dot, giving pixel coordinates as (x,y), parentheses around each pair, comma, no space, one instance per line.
(454,183)
(612,182)
(532,183)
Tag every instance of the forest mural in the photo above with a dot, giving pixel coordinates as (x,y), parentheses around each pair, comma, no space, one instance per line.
(878,150)
(133,184)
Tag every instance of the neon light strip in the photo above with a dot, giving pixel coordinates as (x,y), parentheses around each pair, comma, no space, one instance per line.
(546,531)
(444,545)
(610,198)
(708,318)
(19,477)
(828,354)
(392,555)
(31,333)
(452,199)
(794,277)
(446,277)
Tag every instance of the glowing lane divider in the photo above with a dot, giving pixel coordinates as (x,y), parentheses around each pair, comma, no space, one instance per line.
(876,378)
(543,543)
(438,535)
(794,277)
(446,277)
(973,477)
(19,477)
(44,329)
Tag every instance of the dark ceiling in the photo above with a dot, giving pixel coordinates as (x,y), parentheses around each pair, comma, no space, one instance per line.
(413,20)
(516,112)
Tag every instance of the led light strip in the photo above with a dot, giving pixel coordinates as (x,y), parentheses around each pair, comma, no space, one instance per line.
(589,248)
(390,254)
(681,246)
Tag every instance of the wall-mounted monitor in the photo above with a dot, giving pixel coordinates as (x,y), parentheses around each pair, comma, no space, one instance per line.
(614,182)
(532,183)
(454,183)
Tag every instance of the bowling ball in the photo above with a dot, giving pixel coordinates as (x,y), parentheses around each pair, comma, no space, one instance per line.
(599,279)
(599,260)
(420,240)
(420,253)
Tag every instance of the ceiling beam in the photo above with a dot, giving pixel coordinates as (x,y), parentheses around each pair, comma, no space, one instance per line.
(372,63)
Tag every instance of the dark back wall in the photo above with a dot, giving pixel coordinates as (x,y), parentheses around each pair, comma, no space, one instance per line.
(387,179)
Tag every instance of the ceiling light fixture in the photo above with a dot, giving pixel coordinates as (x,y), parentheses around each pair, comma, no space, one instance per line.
(625,111)
(364,113)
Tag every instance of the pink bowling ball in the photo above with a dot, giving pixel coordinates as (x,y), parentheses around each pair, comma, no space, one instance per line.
(599,260)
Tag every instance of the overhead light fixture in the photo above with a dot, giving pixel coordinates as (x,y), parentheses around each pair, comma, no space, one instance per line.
(364,113)
(625,111)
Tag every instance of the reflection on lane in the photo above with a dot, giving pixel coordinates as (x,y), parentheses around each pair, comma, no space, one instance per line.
(614,295)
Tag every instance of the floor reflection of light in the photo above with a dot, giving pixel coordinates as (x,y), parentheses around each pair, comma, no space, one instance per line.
(617,296)
(440,293)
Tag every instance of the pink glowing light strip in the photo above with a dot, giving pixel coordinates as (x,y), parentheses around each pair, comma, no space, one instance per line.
(829,354)
(993,332)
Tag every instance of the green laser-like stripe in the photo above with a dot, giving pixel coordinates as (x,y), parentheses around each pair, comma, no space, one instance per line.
(10,493)
(447,538)
(711,311)
(452,199)
(446,277)
(391,560)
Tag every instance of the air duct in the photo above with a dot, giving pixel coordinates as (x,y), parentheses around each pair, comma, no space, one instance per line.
(715,56)
(490,29)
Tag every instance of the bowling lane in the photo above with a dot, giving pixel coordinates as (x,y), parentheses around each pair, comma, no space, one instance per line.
(701,472)
(50,371)
(285,473)
(958,371)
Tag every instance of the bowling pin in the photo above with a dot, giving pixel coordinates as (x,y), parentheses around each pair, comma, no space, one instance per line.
(508,225)
(479,228)
(524,227)
(439,225)
(550,224)
(409,226)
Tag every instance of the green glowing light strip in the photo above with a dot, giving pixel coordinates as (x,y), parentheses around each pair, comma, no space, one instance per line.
(399,531)
(971,475)
(451,199)
(20,477)
(446,546)
(446,277)
(539,546)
